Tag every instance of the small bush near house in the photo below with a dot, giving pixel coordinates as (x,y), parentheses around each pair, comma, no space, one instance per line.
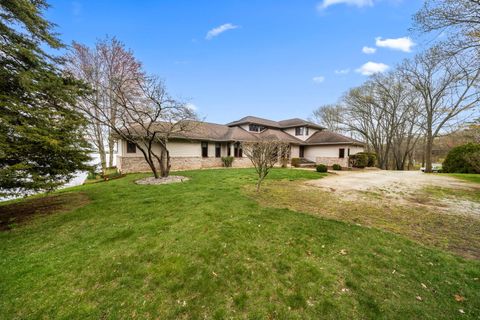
(371,158)
(337,167)
(463,159)
(295,162)
(227,161)
(322,168)
(359,160)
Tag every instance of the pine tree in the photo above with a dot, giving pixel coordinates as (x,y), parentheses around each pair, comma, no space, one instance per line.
(41,134)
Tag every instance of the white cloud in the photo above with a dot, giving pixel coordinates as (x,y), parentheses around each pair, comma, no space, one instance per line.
(368,50)
(318,79)
(342,71)
(370,68)
(220,29)
(404,44)
(359,3)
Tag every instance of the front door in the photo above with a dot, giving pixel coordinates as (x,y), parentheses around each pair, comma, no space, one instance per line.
(301,151)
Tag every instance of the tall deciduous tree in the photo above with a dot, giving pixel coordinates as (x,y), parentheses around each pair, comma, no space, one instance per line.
(108,68)
(458,19)
(41,134)
(448,88)
(329,116)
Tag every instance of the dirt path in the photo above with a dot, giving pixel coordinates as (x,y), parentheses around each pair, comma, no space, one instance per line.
(402,187)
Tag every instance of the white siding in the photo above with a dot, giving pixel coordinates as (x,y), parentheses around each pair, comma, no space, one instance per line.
(312,152)
(294,151)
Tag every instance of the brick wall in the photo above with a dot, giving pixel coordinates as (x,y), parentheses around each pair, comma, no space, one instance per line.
(138,164)
(330,161)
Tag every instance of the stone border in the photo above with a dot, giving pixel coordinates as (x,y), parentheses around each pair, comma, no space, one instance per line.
(167,180)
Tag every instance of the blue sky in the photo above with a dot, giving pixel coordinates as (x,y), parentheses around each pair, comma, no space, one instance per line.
(274,59)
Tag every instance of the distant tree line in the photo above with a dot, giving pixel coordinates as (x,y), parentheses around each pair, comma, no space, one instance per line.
(423,97)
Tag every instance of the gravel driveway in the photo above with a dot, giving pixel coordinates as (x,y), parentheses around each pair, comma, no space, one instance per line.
(383,179)
(403,187)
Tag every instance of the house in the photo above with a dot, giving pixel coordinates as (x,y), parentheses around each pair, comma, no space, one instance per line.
(205,144)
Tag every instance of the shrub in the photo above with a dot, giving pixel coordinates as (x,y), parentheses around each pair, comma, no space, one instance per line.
(371,158)
(321,168)
(359,160)
(92,175)
(459,159)
(336,166)
(227,161)
(295,162)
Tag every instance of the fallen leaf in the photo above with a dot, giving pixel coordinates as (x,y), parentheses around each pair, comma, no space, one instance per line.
(424,286)
(461,311)
(214,274)
(459,298)
(343,251)
(394,271)
(418,298)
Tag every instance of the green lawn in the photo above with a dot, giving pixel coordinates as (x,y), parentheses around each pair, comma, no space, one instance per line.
(471,177)
(207,249)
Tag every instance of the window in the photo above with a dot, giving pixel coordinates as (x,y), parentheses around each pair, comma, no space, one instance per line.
(218,150)
(341,153)
(299,131)
(348,153)
(306,131)
(229,147)
(205,149)
(131,147)
(255,128)
(237,150)
(301,152)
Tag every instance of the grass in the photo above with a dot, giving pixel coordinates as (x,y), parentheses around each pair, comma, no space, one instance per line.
(471,177)
(207,248)
(459,234)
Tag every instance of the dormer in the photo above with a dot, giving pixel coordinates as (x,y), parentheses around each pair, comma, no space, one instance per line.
(298,128)
(253,127)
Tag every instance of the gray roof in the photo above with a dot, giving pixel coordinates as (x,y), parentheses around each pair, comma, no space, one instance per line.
(329,137)
(289,123)
(206,131)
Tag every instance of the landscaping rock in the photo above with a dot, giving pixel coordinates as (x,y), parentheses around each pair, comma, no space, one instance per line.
(167,180)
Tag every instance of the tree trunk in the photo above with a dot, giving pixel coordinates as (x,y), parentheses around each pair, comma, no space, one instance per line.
(154,170)
(428,152)
(103,160)
(111,148)
(165,163)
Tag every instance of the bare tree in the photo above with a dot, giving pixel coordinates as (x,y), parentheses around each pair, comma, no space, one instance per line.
(264,154)
(148,117)
(108,68)
(121,70)
(329,116)
(85,64)
(458,19)
(447,87)
(385,113)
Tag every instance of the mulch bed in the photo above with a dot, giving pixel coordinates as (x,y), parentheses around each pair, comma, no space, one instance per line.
(20,212)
